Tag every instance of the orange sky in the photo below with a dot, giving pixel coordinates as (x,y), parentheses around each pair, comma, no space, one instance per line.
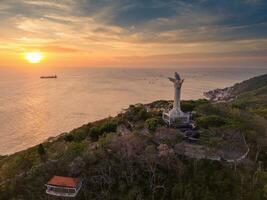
(85,34)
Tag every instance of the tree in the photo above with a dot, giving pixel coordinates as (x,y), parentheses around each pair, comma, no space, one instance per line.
(41,150)
(142,114)
(69,138)
(210,121)
(152,124)
(94,133)
(187,106)
(108,127)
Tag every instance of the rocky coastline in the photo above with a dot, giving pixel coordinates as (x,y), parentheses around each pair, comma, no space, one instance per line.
(220,95)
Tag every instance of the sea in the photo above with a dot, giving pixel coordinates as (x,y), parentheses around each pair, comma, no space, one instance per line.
(33,109)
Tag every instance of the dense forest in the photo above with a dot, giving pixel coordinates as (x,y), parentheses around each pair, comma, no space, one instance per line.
(134,155)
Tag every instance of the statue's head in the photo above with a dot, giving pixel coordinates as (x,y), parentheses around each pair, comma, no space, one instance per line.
(177,76)
(177,80)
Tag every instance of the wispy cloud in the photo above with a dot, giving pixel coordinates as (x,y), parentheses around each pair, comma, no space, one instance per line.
(134,28)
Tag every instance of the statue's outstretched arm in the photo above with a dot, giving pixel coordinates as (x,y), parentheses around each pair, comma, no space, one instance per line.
(172,79)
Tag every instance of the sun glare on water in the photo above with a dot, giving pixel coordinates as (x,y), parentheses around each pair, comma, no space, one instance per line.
(34,57)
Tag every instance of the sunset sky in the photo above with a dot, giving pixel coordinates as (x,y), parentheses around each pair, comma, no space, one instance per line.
(151,33)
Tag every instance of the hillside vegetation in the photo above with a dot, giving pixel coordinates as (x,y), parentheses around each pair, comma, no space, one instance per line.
(252,95)
(250,85)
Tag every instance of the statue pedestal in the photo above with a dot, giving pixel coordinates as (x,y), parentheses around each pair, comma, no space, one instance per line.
(176,116)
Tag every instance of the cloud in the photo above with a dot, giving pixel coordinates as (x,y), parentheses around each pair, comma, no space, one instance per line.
(135,27)
(52,48)
(223,20)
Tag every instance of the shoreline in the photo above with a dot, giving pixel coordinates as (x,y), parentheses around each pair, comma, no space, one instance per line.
(56,137)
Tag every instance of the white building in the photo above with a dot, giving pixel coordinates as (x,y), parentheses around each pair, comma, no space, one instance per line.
(63,186)
(176,114)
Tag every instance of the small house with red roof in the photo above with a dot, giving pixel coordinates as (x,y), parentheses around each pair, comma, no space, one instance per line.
(63,186)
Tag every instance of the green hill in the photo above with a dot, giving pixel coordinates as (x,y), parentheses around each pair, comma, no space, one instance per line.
(250,95)
(251,85)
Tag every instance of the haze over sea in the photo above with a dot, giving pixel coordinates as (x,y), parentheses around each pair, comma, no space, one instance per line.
(34,109)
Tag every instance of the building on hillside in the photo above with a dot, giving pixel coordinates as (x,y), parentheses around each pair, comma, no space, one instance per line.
(63,186)
(176,114)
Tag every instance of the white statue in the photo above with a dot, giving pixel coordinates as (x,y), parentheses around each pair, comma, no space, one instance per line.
(177,83)
(176,112)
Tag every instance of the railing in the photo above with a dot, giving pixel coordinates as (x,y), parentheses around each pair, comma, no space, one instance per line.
(243,156)
(61,194)
(166,117)
(63,191)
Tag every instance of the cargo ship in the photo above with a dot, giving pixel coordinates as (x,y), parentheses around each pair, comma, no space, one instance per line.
(55,76)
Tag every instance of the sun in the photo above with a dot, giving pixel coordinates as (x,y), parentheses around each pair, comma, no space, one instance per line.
(34,57)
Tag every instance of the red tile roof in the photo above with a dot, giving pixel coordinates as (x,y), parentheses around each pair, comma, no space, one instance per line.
(63,181)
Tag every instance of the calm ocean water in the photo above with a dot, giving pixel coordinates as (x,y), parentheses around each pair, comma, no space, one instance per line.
(34,109)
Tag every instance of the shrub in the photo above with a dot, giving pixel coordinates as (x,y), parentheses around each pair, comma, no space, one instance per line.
(108,126)
(208,109)
(261,111)
(202,101)
(210,121)
(75,149)
(136,113)
(69,138)
(187,106)
(42,153)
(160,104)
(94,133)
(152,124)
(41,150)
(142,114)
(80,134)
